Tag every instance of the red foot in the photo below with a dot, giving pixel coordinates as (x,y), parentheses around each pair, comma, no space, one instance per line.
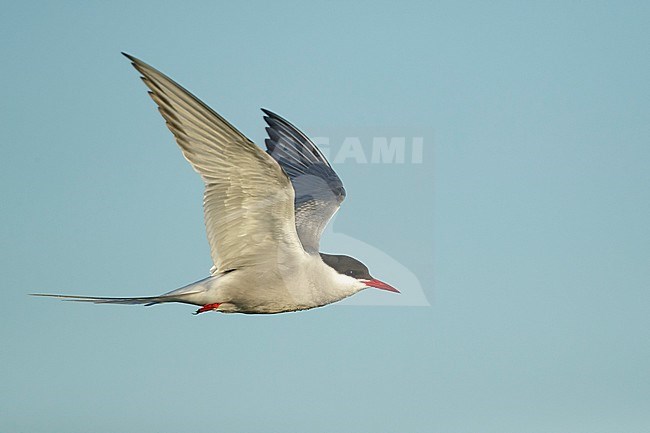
(207,307)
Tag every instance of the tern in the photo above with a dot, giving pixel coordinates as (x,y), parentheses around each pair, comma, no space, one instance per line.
(264,213)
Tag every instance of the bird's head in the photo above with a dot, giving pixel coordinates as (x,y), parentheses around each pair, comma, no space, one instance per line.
(351,267)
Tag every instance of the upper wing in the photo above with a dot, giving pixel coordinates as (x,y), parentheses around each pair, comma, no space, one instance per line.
(248,201)
(318,190)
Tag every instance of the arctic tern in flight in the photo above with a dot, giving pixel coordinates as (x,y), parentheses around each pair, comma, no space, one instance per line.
(264,213)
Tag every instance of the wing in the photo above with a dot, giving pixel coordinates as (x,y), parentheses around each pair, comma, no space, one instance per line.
(248,201)
(318,190)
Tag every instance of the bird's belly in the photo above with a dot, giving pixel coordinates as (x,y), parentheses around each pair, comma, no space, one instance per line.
(299,286)
(267,298)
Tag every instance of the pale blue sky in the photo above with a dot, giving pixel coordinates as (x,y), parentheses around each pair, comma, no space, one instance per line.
(526,224)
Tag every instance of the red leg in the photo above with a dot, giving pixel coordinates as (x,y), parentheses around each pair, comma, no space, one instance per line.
(207,307)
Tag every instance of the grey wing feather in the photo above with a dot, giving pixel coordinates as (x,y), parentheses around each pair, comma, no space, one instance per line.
(318,189)
(248,200)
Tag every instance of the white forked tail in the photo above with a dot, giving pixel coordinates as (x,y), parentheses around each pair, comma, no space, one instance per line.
(146,300)
(189,294)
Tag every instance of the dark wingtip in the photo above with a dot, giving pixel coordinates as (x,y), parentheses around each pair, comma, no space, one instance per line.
(270,145)
(269,116)
(137,63)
